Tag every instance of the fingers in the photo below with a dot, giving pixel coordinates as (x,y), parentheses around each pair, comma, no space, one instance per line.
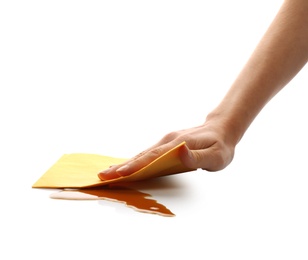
(136,163)
(213,158)
(109,174)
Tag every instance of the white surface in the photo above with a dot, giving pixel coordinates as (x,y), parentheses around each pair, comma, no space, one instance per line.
(112,77)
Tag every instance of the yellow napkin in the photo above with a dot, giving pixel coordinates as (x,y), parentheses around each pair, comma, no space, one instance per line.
(80,170)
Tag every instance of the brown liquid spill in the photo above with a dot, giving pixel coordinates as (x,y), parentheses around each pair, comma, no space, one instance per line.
(133,198)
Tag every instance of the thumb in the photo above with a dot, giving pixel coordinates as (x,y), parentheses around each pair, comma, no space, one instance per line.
(195,159)
(188,157)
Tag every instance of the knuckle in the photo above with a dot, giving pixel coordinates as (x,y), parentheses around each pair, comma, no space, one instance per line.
(139,155)
(170,136)
(155,152)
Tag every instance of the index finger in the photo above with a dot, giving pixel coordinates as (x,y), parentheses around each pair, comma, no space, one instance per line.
(137,162)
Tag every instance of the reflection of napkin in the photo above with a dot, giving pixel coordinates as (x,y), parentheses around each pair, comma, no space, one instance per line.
(80,170)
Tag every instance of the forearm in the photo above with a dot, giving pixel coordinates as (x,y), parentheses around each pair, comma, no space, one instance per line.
(279,56)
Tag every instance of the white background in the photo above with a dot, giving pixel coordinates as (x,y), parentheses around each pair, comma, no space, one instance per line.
(113,77)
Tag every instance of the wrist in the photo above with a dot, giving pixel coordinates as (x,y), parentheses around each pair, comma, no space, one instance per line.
(230,126)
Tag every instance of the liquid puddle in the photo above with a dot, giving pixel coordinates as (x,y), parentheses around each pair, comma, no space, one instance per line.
(133,198)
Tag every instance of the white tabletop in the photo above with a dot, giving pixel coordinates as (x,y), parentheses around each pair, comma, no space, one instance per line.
(112,79)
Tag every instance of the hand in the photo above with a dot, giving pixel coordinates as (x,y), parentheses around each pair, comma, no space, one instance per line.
(207,147)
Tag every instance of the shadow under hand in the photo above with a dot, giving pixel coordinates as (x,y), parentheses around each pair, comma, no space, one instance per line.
(127,193)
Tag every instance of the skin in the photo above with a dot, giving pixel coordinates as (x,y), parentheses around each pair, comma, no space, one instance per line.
(279,56)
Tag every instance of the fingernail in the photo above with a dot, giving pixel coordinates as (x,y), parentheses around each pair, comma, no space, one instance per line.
(102,178)
(190,155)
(107,174)
(106,171)
(123,168)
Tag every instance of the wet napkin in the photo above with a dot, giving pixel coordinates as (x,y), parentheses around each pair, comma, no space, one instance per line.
(79,170)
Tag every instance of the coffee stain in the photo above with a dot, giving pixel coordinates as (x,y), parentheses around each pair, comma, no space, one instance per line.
(133,198)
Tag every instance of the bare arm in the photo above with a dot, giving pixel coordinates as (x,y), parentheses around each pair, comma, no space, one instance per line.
(280,55)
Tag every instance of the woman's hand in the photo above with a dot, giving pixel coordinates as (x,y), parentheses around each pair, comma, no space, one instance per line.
(281,53)
(207,147)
